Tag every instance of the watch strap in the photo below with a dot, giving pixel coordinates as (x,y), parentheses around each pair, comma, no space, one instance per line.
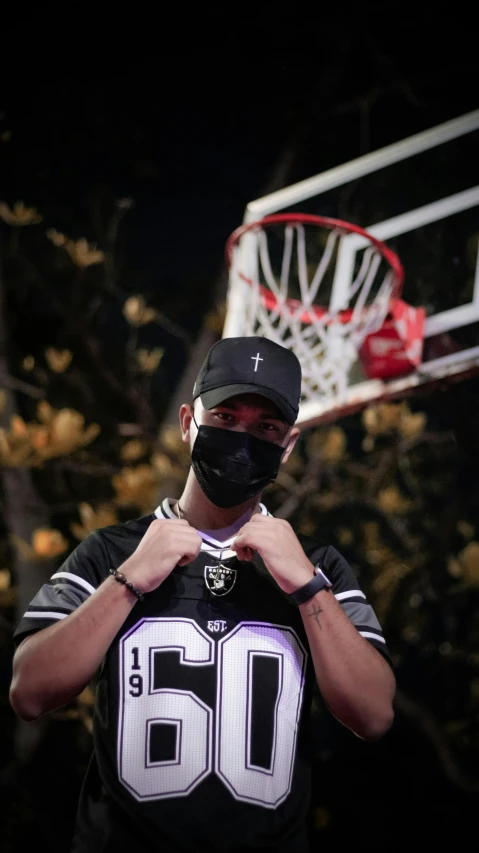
(317,583)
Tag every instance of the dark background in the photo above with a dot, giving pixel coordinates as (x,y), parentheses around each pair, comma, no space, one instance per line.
(193,113)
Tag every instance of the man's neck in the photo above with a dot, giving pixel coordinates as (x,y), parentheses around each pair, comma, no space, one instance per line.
(198,510)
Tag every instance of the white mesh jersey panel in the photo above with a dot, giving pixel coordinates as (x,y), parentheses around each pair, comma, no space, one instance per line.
(141,705)
(233,725)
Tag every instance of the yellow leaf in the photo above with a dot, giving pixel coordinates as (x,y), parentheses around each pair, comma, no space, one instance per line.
(345,536)
(390,500)
(40,438)
(5,579)
(28,362)
(56,237)
(66,431)
(162,464)
(4,446)
(136,312)
(84,254)
(48,543)
(18,426)
(133,450)
(45,413)
(90,434)
(465,529)
(410,426)
(66,424)
(148,360)
(58,433)
(454,567)
(171,438)
(383,417)
(136,487)
(469,563)
(329,444)
(20,215)
(172,442)
(58,360)
(389,417)
(92,519)
(334,444)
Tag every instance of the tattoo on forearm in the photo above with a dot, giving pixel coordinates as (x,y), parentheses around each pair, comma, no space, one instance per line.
(315,614)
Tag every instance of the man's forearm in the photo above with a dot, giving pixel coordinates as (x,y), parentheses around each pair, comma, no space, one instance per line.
(356,683)
(52,666)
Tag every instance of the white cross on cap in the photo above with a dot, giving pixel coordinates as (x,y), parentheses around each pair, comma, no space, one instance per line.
(256,358)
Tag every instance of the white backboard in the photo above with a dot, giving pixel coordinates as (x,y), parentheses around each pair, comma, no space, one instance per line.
(421,197)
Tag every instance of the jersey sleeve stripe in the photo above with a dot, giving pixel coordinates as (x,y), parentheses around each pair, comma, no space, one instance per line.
(372,636)
(350,593)
(365,627)
(76,579)
(44,614)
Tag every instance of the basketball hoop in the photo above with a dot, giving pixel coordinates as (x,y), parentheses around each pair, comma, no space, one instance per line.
(316,285)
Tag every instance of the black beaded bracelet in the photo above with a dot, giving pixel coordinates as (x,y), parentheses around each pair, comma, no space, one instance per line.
(122,579)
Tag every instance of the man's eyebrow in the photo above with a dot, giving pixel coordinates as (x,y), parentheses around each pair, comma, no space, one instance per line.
(276,416)
(264,413)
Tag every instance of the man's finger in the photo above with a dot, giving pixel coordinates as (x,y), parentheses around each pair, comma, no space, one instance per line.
(246,553)
(243,552)
(189,555)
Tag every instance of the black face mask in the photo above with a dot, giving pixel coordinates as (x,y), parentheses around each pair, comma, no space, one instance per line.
(232,467)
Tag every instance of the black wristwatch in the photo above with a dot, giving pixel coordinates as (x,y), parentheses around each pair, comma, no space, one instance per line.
(304,593)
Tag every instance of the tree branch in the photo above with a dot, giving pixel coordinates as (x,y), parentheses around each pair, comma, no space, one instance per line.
(425,722)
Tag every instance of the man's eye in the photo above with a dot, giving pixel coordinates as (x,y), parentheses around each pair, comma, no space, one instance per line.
(224,416)
(267,427)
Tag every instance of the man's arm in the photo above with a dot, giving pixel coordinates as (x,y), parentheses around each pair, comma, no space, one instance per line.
(53,666)
(356,683)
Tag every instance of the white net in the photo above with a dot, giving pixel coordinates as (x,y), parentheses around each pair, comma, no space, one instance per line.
(318,294)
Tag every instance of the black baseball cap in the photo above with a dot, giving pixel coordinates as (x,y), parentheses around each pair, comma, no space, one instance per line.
(250,365)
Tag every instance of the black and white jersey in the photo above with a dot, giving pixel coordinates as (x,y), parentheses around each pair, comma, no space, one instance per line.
(202,701)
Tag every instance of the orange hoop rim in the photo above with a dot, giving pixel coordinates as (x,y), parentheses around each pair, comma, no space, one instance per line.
(326,222)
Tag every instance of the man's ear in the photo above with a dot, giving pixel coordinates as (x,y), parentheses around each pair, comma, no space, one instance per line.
(290,445)
(186,417)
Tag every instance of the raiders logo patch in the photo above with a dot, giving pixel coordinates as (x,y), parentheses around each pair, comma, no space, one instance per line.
(220,579)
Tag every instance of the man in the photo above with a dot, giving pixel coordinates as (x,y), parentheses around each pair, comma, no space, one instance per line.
(205,624)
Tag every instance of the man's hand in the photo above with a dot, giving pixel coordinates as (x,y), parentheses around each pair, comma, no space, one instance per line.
(278,546)
(167,543)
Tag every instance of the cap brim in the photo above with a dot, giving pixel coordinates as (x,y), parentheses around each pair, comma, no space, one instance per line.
(216,396)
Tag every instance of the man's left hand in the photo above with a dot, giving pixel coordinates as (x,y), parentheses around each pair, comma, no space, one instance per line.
(276,543)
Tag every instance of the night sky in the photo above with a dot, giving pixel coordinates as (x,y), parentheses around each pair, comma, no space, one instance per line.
(189,112)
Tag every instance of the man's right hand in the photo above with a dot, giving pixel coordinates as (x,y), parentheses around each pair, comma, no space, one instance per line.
(167,543)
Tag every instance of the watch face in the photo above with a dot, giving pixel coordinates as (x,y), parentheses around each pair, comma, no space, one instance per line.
(319,571)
